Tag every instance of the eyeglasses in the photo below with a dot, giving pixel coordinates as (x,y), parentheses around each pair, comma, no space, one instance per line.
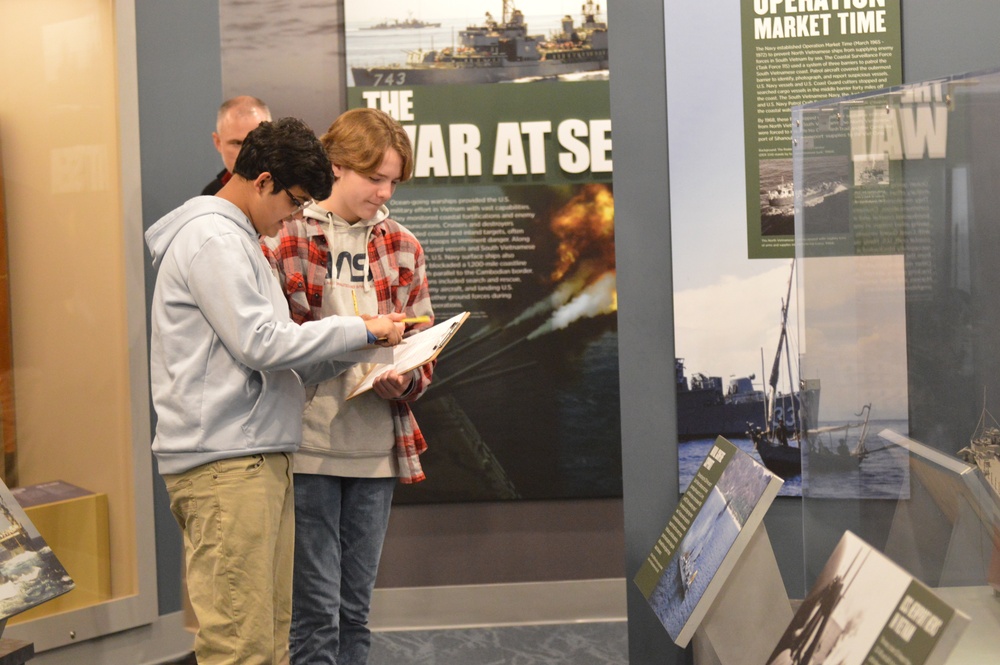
(299,205)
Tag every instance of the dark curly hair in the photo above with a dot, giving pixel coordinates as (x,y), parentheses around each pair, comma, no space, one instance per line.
(288,150)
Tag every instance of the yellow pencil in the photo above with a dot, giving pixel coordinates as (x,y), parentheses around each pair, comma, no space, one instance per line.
(354,297)
(417,319)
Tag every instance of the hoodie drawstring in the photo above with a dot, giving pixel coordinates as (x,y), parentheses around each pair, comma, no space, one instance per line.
(367,279)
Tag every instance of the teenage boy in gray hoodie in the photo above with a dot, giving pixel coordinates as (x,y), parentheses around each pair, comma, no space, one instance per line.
(227,370)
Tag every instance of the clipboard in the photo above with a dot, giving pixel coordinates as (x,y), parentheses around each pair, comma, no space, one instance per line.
(414,351)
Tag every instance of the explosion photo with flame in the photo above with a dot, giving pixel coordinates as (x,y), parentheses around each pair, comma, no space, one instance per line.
(524,404)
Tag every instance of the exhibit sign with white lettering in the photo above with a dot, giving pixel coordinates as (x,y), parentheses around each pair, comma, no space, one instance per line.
(707,534)
(511,198)
(865,609)
(797,52)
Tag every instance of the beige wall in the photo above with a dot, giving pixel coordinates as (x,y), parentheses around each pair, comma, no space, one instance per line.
(60,150)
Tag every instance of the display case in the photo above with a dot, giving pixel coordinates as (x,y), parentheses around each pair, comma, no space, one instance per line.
(897,221)
(75,405)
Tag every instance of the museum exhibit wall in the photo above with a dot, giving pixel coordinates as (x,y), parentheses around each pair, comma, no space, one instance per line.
(144,106)
(476,543)
(937,40)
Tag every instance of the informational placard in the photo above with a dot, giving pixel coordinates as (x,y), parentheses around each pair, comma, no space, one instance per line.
(30,573)
(704,538)
(732,202)
(796,52)
(508,111)
(864,609)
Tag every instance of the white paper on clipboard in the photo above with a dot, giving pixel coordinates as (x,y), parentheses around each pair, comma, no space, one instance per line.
(414,351)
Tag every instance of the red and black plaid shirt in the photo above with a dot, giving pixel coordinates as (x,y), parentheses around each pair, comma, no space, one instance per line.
(400,280)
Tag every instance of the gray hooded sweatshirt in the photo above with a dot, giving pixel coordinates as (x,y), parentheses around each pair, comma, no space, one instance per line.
(227,364)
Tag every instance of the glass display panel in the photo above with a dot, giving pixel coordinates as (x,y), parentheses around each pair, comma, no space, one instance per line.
(74,405)
(897,221)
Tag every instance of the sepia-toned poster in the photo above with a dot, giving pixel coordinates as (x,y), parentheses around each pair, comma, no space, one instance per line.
(508,111)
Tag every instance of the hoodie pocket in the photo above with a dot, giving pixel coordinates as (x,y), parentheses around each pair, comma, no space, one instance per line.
(276,417)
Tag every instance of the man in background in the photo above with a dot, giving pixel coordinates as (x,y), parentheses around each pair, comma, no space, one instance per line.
(236,117)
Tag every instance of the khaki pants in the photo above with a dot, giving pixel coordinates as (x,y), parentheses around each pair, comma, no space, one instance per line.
(239,529)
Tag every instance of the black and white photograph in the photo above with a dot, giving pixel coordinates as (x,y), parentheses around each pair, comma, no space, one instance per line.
(846,609)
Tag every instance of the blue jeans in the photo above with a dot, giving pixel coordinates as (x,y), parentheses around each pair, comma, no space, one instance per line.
(340,524)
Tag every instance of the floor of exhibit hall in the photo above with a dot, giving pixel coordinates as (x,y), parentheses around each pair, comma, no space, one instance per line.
(589,643)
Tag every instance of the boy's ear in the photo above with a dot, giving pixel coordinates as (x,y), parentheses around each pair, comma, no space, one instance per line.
(260,182)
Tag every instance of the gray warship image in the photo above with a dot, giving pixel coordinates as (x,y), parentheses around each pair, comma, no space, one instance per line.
(501,51)
(705,410)
(409,23)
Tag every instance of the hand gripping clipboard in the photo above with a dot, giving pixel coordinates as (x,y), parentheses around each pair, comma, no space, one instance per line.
(414,351)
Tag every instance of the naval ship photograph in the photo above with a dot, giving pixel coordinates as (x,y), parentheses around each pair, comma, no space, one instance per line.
(495,50)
